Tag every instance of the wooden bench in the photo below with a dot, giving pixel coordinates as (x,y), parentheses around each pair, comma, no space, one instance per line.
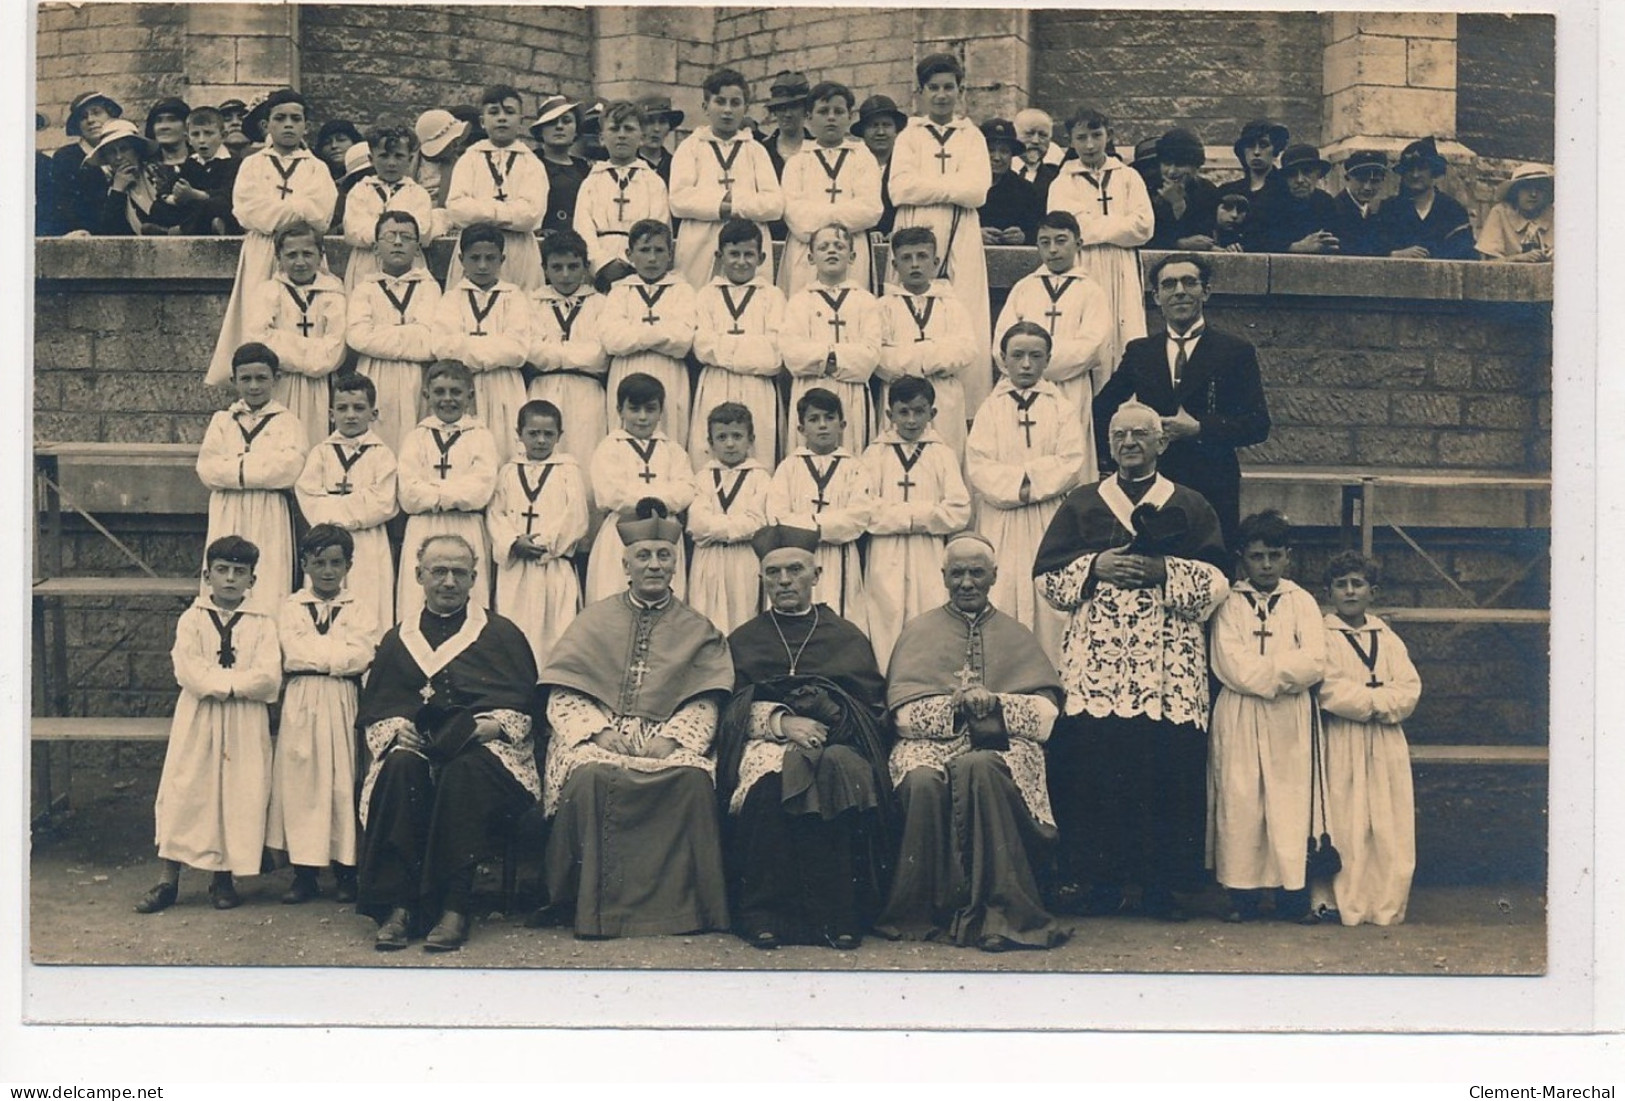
(85,728)
(1466,616)
(182,587)
(1480,755)
(1355,497)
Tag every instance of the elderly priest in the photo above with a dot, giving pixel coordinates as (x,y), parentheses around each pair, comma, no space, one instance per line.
(634,688)
(447,719)
(801,758)
(974,698)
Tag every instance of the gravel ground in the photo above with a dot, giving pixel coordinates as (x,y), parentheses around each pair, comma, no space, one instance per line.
(88,870)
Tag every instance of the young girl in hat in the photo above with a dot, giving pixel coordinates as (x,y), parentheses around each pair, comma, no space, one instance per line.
(555,129)
(281,184)
(134,200)
(1518,229)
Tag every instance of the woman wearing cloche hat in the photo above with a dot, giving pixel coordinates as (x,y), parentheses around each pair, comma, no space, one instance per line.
(1518,229)
(77,188)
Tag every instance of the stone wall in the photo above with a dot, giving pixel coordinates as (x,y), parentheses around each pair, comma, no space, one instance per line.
(1506,92)
(132,52)
(367,62)
(1207,70)
(869,50)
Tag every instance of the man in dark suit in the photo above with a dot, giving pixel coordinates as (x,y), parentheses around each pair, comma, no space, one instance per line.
(1204,383)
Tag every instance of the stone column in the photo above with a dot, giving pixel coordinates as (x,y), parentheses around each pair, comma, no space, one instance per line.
(1388,78)
(996,48)
(639,51)
(240,51)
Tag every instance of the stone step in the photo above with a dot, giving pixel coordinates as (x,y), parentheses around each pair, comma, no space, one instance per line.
(183,587)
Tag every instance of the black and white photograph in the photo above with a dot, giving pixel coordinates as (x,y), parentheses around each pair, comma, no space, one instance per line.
(570,495)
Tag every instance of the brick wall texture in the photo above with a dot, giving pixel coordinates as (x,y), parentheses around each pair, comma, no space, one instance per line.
(370,62)
(1506,93)
(1207,70)
(132,52)
(870,51)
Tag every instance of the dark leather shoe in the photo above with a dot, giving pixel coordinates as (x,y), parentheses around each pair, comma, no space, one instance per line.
(449,934)
(396,932)
(995,943)
(845,942)
(346,889)
(303,890)
(225,896)
(765,939)
(161,897)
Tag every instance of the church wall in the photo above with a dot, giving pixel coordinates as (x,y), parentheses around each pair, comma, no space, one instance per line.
(132,52)
(1506,85)
(365,62)
(870,51)
(1210,71)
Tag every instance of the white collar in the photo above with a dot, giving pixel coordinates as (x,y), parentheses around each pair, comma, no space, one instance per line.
(307,595)
(370,438)
(431,660)
(240,407)
(462,424)
(1121,507)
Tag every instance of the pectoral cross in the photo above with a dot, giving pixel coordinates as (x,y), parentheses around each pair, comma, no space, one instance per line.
(906,484)
(835,302)
(1025,422)
(967,677)
(344,487)
(1027,425)
(1373,682)
(531,516)
(647,475)
(1102,185)
(621,202)
(1053,313)
(639,670)
(837,325)
(832,191)
(1262,634)
(426,692)
(443,466)
(907,463)
(821,480)
(283,190)
(942,154)
(304,326)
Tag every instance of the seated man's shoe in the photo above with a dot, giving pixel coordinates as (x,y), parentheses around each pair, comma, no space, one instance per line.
(765,939)
(845,942)
(303,890)
(223,892)
(396,931)
(345,890)
(995,943)
(161,897)
(448,934)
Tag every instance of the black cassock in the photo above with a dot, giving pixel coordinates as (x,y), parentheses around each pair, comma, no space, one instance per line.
(807,852)
(429,824)
(1221,388)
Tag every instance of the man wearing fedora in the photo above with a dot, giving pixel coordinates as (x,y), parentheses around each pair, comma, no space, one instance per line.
(877,124)
(1355,224)
(1261,141)
(1010,215)
(1183,202)
(1422,222)
(1518,229)
(1302,222)
(78,189)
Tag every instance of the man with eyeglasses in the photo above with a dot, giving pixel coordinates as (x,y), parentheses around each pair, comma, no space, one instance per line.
(447,717)
(1136,562)
(1203,383)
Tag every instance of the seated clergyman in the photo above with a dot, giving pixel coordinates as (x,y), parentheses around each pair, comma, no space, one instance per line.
(974,698)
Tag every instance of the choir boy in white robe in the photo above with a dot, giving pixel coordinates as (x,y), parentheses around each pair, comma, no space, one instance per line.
(730,506)
(252,452)
(349,482)
(831,337)
(448,471)
(1371,687)
(919,497)
(327,643)
(1113,209)
(821,486)
(500,181)
(1024,453)
(483,322)
(718,171)
(391,326)
(537,519)
(1267,649)
(939,179)
(648,326)
(925,333)
(616,195)
(736,341)
(300,315)
(635,461)
(280,184)
(1072,307)
(389,188)
(566,345)
(216,783)
(833,182)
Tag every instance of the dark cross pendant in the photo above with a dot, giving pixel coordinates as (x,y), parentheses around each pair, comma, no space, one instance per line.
(837,325)
(647,475)
(1262,634)
(1053,313)
(832,191)
(531,516)
(443,466)
(1027,426)
(943,157)
(651,317)
(344,486)
(906,484)
(1373,682)
(304,325)
(620,202)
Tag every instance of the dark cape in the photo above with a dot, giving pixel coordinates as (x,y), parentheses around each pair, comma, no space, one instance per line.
(1185,527)
(1201,204)
(495,672)
(563,183)
(1012,201)
(808,852)
(1446,233)
(687,657)
(933,647)
(1294,219)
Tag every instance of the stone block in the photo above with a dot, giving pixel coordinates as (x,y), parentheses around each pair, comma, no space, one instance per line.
(1363,60)
(47,391)
(1425,410)
(265,59)
(211,59)
(249,19)
(1489,282)
(968,23)
(1358,277)
(1507,374)
(1394,447)
(61,350)
(1431,63)
(1373,111)
(1407,24)
(1483,449)
(81,427)
(1325,407)
(1452,370)
(1319,446)
(1508,411)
